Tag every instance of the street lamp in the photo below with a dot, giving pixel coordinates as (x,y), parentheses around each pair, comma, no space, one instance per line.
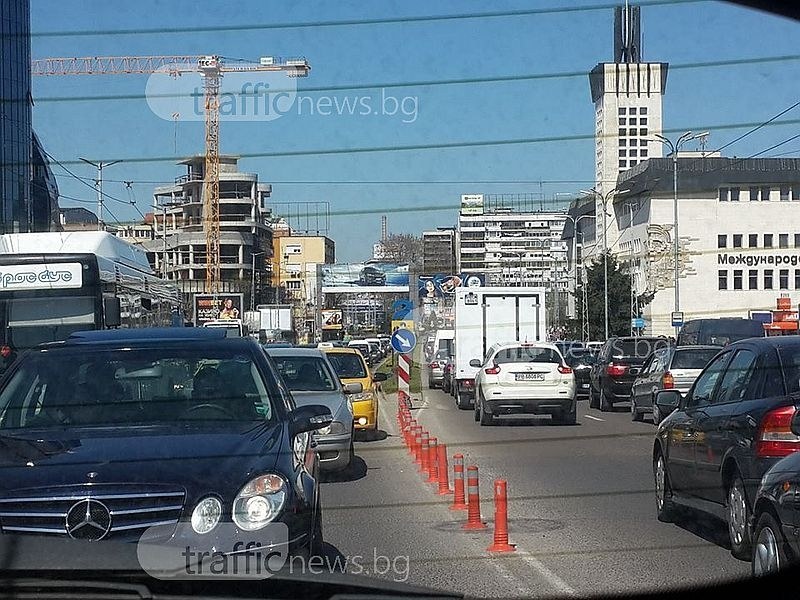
(575,225)
(674,149)
(604,199)
(253,282)
(100,165)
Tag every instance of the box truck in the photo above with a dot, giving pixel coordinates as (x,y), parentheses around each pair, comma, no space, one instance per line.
(488,315)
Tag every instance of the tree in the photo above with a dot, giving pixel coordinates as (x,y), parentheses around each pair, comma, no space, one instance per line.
(619,301)
(403,248)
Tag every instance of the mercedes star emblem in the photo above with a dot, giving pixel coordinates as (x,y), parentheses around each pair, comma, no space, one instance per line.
(88,520)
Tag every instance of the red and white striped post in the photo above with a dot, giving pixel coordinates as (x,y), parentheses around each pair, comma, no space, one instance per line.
(403,379)
(459,497)
(474,501)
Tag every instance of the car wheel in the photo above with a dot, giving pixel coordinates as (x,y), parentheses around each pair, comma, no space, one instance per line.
(636,416)
(605,405)
(665,508)
(738,519)
(570,417)
(593,399)
(770,550)
(484,417)
(476,413)
(317,547)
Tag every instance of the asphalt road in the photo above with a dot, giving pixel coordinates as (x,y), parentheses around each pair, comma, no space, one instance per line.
(581,510)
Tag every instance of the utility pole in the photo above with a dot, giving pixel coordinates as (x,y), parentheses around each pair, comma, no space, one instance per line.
(98,184)
(634,308)
(164,234)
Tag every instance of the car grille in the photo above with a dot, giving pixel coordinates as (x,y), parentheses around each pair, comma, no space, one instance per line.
(120,512)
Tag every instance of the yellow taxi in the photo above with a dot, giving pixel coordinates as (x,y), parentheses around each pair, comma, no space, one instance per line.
(351,367)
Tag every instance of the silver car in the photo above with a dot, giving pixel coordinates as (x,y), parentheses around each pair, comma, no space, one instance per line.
(312,380)
(436,369)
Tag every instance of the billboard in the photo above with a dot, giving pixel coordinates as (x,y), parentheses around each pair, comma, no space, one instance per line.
(375,277)
(472,204)
(331,319)
(211,307)
(443,286)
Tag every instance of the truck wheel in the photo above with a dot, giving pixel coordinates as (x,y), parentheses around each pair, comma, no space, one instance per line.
(462,402)
(605,405)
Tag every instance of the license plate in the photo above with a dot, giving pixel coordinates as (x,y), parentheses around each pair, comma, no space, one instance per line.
(529,376)
(585,386)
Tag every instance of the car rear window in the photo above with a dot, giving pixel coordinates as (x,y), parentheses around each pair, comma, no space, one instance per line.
(790,357)
(523,354)
(638,348)
(693,359)
(580,356)
(305,373)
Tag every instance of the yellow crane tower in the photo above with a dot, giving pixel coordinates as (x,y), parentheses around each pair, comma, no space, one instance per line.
(212,69)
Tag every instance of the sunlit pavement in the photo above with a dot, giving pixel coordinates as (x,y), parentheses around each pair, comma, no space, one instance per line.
(581,510)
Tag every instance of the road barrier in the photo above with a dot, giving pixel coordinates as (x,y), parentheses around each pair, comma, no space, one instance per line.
(433,460)
(441,465)
(500,540)
(417,443)
(474,501)
(424,460)
(459,500)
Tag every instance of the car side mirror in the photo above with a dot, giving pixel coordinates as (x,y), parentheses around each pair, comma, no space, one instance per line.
(668,400)
(112,311)
(475,363)
(353,388)
(795,424)
(309,418)
(380,377)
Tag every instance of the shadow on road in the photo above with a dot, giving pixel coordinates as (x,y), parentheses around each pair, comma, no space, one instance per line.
(371,436)
(355,471)
(708,527)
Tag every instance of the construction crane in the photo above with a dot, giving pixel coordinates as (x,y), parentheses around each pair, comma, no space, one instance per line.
(212,68)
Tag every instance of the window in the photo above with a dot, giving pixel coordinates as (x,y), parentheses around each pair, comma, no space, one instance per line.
(643,152)
(292,285)
(623,132)
(623,164)
(768,279)
(737,378)
(753,194)
(737,278)
(797,279)
(723,194)
(765,194)
(722,241)
(633,163)
(795,193)
(623,142)
(642,132)
(643,110)
(783,240)
(523,354)
(784,193)
(737,240)
(306,373)
(622,110)
(735,194)
(705,384)
(623,121)
(623,152)
(767,240)
(723,279)
(634,141)
(752,275)
(797,240)
(634,152)
(783,279)
(752,240)
(643,121)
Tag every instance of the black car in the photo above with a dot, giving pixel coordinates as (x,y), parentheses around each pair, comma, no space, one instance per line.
(617,366)
(176,435)
(727,431)
(371,276)
(581,361)
(776,515)
(719,332)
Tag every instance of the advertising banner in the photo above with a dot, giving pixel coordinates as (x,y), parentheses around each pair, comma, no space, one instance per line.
(331,319)
(472,204)
(442,286)
(377,277)
(211,307)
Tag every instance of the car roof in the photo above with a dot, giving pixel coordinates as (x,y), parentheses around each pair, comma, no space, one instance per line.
(146,333)
(340,350)
(315,352)
(696,347)
(777,341)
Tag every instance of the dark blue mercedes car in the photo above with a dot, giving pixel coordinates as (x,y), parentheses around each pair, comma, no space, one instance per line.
(158,434)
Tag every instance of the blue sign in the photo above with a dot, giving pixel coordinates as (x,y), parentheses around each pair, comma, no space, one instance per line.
(401,309)
(637,323)
(403,341)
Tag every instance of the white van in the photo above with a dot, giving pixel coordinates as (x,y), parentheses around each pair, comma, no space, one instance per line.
(444,341)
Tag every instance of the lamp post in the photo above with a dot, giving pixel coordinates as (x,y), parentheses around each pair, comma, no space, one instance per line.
(253,282)
(100,165)
(605,198)
(575,226)
(674,149)
(634,308)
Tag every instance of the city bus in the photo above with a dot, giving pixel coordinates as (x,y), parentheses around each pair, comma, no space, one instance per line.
(53,284)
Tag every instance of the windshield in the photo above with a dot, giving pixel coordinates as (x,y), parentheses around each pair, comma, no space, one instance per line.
(33,321)
(692,358)
(60,388)
(347,366)
(306,374)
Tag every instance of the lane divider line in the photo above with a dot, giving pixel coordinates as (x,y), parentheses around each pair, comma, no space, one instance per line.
(594,418)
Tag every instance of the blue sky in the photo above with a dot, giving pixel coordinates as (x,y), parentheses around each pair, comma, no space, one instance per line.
(571,41)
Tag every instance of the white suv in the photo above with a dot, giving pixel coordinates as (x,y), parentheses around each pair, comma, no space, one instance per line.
(521,378)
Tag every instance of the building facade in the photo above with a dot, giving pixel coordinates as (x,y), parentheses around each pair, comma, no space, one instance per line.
(739,235)
(439,251)
(245,235)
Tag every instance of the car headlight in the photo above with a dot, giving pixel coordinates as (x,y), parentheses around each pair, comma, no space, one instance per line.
(259,502)
(335,428)
(206,515)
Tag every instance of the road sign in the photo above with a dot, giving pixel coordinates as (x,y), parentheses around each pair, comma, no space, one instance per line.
(637,323)
(677,319)
(403,341)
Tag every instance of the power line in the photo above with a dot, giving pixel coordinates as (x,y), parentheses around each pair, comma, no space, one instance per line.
(81,179)
(423,83)
(757,127)
(351,22)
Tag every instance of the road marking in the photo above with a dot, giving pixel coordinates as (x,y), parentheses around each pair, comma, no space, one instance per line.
(594,418)
(559,584)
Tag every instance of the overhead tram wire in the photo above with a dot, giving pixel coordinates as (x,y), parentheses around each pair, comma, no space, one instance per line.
(757,127)
(355,22)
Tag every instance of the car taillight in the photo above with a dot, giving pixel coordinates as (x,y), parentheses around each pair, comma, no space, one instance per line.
(564,370)
(434,365)
(6,351)
(616,370)
(469,383)
(775,437)
(493,370)
(667,381)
